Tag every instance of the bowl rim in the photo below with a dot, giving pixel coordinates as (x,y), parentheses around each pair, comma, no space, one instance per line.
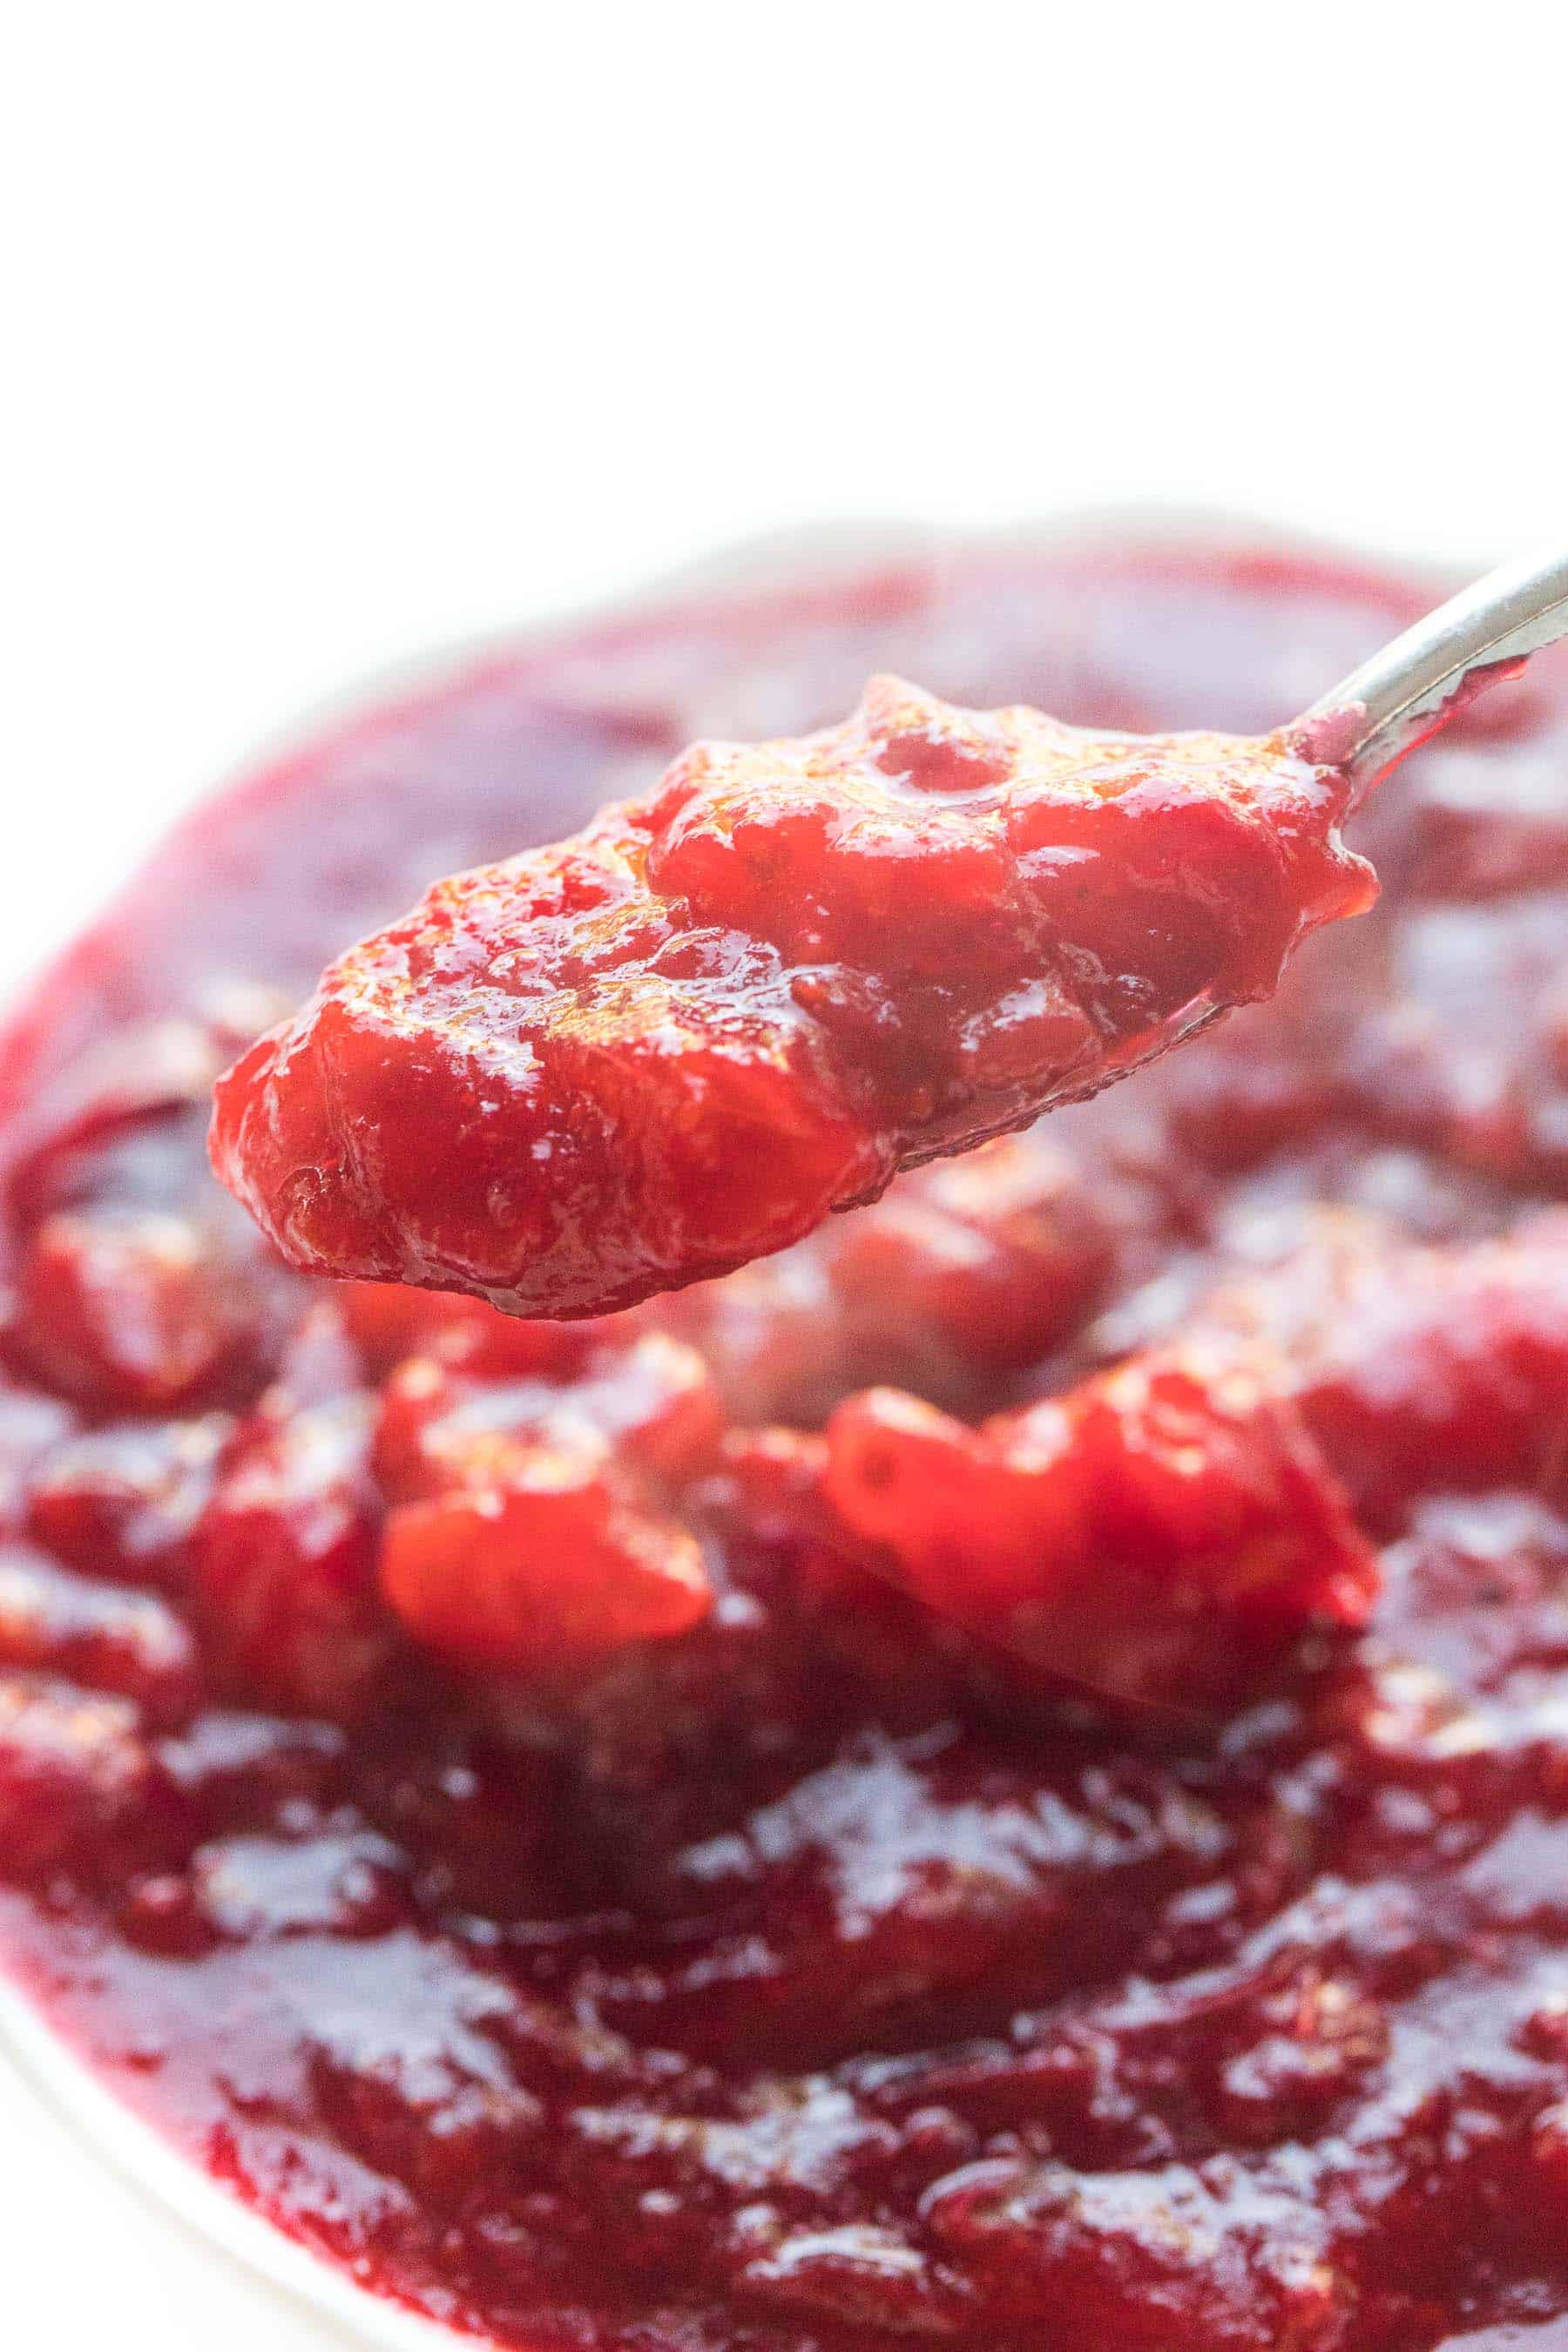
(108,2127)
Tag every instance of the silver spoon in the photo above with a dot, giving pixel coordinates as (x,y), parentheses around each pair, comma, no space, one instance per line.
(1408,690)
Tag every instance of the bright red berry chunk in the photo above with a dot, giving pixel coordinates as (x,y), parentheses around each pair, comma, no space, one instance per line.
(453,1418)
(550,1563)
(285,1557)
(123,1500)
(528,1463)
(134,1311)
(79,1787)
(1162,1535)
(131,1644)
(676,1041)
(1422,1366)
(990,1260)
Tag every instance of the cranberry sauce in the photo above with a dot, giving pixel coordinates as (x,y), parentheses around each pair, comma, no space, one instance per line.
(997,1779)
(676,1041)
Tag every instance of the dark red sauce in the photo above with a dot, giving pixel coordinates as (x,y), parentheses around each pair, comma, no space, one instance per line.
(999,1778)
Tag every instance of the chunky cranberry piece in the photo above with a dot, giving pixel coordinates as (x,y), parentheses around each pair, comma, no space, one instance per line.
(1163,1535)
(526,1460)
(676,1042)
(131,1312)
(285,1557)
(549,1561)
(990,1261)
(96,1634)
(455,1417)
(124,1500)
(1419,1368)
(80,1789)
(966,1271)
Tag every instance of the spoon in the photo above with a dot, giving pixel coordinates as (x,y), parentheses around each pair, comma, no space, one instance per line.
(1401,695)
(677,1041)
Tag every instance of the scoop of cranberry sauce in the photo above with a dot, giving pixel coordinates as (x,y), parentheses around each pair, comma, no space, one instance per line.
(675,1042)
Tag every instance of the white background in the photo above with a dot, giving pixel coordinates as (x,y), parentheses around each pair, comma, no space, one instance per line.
(334,331)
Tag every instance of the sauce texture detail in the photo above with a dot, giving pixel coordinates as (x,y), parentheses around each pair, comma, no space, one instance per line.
(679,1040)
(996,1778)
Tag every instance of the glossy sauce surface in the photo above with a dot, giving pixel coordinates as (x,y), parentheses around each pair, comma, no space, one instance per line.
(676,1040)
(772,1967)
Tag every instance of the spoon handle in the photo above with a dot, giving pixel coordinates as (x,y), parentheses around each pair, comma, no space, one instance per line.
(1409,690)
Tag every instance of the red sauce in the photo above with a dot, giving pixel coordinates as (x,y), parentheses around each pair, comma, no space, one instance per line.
(679,1039)
(997,1777)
